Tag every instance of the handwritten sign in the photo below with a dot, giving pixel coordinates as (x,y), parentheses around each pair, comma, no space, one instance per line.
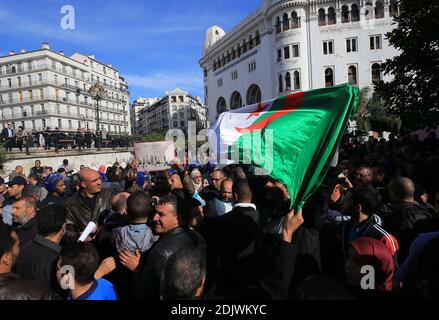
(154,156)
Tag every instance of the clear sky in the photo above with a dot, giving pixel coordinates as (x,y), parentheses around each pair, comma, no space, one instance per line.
(154,44)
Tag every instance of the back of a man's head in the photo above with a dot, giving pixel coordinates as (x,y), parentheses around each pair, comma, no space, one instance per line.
(51,218)
(119,202)
(243,192)
(367,197)
(184,274)
(402,189)
(32,192)
(138,206)
(84,259)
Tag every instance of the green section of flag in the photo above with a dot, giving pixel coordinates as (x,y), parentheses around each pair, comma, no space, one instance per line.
(304,140)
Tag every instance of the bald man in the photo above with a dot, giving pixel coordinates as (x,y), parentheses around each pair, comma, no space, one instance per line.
(17,172)
(90,203)
(117,217)
(405,210)
(401,216)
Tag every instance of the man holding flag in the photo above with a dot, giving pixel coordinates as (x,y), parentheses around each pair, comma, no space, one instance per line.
(292,138)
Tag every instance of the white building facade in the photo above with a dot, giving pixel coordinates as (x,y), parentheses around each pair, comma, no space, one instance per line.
(173,111)
(297,45)
(44,88)
(138,105)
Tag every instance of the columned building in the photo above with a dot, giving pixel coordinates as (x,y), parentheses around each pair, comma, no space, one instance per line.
(43,88)
(296,45)
(173,111)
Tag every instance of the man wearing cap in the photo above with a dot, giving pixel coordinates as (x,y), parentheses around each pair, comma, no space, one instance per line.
(57,190)
(15,190)
(8,134)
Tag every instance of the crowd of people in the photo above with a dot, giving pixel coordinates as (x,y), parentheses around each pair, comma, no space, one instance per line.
(211,232)
(57,139)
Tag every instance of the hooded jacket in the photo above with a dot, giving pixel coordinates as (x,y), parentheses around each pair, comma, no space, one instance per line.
(134,237)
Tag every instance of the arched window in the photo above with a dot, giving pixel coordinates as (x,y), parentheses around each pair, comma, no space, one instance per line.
(220,105)
(277,26)
(233,53)
(344,14)
(322,17)
(368,11)
(238,53)
(14,69)
(288,82)
(253,94)
(285,22)
(394,8)
(329,77)
(296,77)
(257,38)
(281,83)
(250,42)
(228,57)
(376,73)
(295,20)
(379,10)
(352,75)
(235,100)
(355,13)
(331,16)
(244,46)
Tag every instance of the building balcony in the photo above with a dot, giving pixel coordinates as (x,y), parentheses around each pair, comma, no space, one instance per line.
(76,75)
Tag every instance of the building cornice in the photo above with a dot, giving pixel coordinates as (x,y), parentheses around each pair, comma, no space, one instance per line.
(288,5)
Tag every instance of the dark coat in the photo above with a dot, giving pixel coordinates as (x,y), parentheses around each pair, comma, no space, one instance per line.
(14,288)
(51,199)
(37,260)
(79,215)
(27,232)
(235,239)
(5,133)
(400,221)
(148,280)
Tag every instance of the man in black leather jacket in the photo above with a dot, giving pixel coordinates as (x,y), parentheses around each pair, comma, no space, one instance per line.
(401,216)
(11,286)
(148,282)
(89,204)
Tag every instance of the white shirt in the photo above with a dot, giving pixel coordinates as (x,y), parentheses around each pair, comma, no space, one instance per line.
(245,205)
(10,135)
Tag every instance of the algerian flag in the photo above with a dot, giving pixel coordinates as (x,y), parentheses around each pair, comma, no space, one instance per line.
(291,138)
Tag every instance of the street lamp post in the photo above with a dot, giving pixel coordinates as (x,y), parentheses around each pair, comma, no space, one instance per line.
(97,93)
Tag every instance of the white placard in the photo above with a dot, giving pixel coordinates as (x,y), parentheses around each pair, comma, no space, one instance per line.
(154,156)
